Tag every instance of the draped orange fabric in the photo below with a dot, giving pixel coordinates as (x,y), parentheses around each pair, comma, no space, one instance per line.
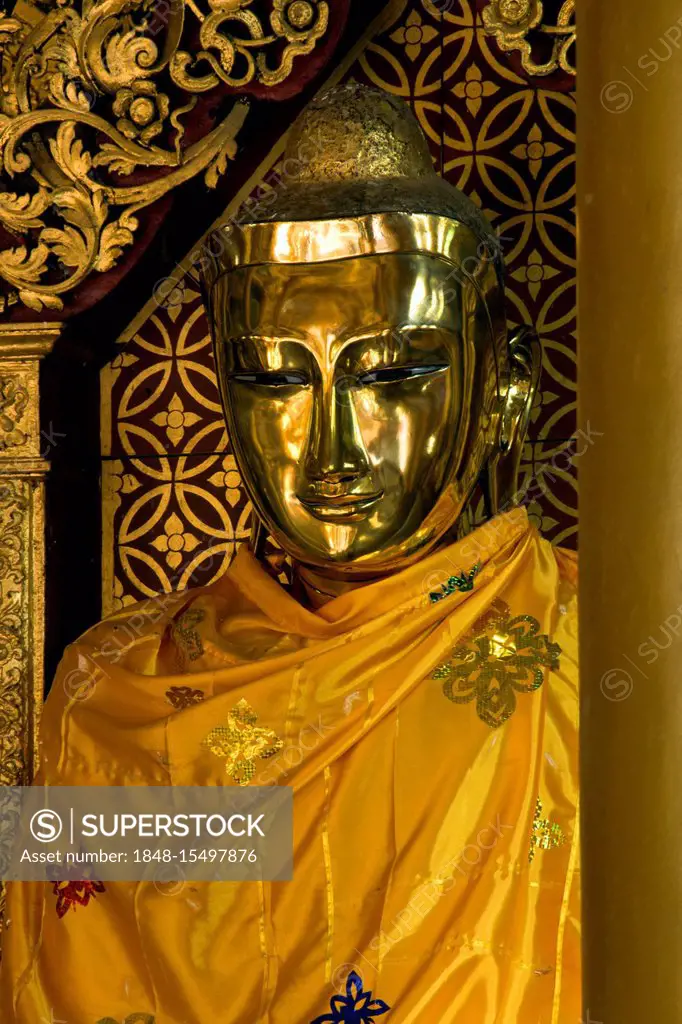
(428,726)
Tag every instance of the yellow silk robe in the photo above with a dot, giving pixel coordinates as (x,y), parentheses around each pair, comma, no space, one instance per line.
(429,731)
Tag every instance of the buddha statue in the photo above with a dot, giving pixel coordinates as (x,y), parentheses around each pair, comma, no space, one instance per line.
(415,685)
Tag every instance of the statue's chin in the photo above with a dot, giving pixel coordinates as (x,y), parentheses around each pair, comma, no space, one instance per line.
(346,540)
(344,550)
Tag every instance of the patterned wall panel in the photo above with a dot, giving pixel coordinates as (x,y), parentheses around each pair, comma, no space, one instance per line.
(174,508)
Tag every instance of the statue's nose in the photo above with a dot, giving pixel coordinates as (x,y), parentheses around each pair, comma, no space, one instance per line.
(336,455)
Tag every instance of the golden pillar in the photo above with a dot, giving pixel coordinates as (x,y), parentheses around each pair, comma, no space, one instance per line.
(22,550)
(630,376)
(22,558)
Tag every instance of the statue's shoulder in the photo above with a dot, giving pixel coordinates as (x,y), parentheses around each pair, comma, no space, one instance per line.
(139,619)
(135,636)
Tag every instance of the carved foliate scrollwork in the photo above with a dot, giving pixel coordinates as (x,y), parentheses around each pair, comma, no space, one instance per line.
(14,630)
(14,399)
(15,646)
(236,43)
(95,92)
(522,25)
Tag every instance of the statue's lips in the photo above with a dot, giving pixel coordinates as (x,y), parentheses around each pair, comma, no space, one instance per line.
(348,508)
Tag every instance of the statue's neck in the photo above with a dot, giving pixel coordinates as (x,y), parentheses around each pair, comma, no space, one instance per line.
(317,589)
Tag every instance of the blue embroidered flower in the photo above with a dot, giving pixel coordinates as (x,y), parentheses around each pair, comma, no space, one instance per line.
(356,1007)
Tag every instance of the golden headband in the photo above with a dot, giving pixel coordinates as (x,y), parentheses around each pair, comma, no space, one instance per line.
(317,241)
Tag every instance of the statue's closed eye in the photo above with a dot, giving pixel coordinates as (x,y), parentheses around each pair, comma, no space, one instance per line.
(392,374)
(387,375)
(272,378)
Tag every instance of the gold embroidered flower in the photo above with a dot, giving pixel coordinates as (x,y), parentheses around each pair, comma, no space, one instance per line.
(413,35)
(229,478)
(186,636)
(175,419)
(535,150)
(174,540)
(240,741)
(545,834)
(473,88)
(534,273)
(141,110)
(500,657)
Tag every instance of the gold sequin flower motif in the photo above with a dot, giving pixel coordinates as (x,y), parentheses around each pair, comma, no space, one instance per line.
(500,657)
(546,834)
(240,742)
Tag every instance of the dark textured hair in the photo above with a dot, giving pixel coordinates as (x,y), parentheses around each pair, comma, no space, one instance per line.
(355,151)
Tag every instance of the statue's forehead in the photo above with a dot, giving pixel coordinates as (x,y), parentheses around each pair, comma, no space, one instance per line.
(399,265)
(323,241)
(352,294)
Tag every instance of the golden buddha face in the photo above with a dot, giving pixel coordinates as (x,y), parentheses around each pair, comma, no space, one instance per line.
(347,388)
(362,351)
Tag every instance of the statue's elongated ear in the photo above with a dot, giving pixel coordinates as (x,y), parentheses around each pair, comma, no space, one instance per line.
(525,359)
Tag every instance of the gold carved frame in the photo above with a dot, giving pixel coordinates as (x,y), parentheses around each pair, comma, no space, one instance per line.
(511,22)
(85,106)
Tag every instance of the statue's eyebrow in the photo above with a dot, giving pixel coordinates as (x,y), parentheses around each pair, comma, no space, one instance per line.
(392,337)
(366,333)
(265,336)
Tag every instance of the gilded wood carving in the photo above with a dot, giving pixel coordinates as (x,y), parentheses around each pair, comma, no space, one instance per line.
(516,24)
(93,93)
(22,564)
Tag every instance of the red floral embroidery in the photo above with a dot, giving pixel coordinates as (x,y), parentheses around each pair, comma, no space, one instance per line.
(71,893)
